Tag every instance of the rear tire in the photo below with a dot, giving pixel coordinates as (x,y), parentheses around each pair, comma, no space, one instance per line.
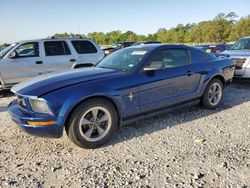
(213,94)
(92,123)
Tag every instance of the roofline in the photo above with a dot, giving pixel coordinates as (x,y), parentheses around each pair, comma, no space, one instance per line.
(157,45)
(44,39)
(246,37)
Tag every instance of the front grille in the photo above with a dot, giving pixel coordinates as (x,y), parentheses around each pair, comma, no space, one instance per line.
(21,102)
(239,63)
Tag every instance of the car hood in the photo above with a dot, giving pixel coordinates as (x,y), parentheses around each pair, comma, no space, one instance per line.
(53,81)
(236,53)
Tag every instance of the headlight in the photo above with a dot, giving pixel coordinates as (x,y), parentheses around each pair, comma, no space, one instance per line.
(39,105)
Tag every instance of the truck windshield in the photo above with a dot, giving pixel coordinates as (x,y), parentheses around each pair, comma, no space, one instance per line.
(242,44)
(6,50)
(123,60)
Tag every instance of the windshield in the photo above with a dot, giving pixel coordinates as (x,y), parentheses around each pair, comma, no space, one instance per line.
(6,50)
(123,60)
(242,44)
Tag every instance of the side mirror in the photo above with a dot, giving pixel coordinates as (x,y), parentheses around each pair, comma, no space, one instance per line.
(106,52)
(13,55)
(119,46)
(154,66)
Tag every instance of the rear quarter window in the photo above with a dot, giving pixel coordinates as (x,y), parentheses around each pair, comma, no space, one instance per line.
(84,47)
(199,56)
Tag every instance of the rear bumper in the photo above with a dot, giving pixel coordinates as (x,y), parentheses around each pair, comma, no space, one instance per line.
(244,72)
(21,119)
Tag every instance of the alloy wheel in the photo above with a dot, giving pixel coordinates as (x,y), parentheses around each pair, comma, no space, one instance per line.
(215,94)
(95,124)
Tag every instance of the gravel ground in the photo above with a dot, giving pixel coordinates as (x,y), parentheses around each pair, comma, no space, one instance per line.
(190,147)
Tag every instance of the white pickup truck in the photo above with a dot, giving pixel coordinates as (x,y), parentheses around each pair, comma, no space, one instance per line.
(240,54)
(26,59)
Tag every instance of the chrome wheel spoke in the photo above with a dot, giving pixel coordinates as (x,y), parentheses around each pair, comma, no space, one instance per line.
(214,99)
(104,118)
(94,113)
(85,121)
(214,88)
(89,132)
(210,91)
(217,92)
(99,129)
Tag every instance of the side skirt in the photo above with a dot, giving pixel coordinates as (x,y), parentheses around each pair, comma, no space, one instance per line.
(159,111)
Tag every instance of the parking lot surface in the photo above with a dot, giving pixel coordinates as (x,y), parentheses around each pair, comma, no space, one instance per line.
(190,147)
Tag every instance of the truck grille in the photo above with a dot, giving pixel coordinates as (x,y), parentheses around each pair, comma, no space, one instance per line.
(239,63)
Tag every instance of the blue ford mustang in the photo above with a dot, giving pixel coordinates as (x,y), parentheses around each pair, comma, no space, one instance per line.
(91,103)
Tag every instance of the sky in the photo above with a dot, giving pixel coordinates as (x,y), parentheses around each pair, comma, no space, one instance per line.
(31,19)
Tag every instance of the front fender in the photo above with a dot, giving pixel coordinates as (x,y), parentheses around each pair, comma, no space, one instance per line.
(79,94)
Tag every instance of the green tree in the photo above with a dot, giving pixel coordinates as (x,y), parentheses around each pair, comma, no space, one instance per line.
(240,29)
(222,28)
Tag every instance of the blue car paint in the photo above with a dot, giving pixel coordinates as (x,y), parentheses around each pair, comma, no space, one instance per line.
(53,131)
(150,91)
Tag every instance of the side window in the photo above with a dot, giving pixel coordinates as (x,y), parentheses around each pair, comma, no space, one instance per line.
(53,48)
(84,47)
(172,57)
(221,48)
(199,56)
(27,50)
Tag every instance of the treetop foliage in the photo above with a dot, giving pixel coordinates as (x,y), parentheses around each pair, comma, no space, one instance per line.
(223,28)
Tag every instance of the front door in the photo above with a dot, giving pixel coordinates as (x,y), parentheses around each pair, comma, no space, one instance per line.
(24,65)
(175,84)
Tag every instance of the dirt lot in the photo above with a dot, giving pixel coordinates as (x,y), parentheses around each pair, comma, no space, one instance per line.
(191,147)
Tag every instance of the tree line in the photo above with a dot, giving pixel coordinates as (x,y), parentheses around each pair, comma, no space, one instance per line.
(223,28)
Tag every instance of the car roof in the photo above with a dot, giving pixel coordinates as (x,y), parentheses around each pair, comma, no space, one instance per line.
(55,39)
(156,45)
(247,37)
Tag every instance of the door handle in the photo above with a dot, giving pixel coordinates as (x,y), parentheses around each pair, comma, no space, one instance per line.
(39,62)
(72,60)
(189,73)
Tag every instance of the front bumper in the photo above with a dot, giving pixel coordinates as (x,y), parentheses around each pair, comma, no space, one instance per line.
(22,119)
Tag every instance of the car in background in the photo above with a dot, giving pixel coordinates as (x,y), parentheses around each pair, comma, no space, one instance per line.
(27,59)
(146,42)
(131,83)
(216,48)
(117,46)
(240,54)
(202,47)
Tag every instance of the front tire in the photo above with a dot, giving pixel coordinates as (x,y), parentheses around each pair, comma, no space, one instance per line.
(92,123)
(213,94)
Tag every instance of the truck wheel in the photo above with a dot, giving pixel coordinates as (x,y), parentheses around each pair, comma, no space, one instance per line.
(213,94)
(92,123)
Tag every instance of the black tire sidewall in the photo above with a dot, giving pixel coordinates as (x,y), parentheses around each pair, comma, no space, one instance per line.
(73,129)
(205,101)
